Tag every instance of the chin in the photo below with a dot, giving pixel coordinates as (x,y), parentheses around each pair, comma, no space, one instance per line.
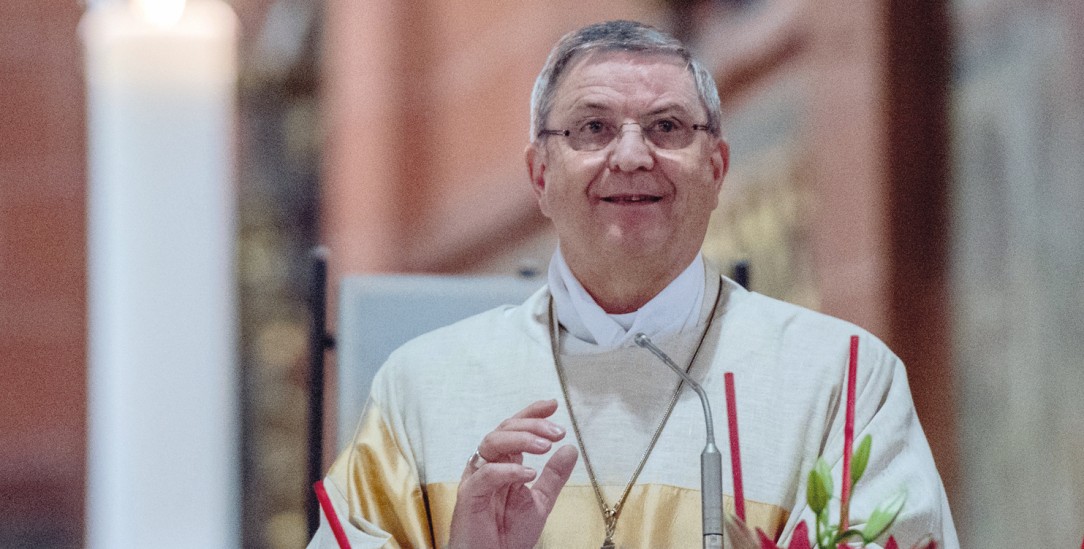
(639,245)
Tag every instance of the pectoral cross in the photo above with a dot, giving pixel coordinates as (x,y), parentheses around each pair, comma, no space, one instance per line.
(611,525)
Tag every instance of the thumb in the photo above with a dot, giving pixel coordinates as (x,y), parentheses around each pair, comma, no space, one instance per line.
(555,474)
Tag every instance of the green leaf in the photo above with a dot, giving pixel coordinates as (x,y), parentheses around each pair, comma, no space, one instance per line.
(883,516)
(824,471)
(860,459)
(819,487)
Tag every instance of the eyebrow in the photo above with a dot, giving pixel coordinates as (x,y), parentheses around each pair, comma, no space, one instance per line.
(596,107)
(671,107)
(592,106)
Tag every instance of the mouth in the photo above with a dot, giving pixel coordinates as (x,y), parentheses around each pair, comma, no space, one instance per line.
(632,199)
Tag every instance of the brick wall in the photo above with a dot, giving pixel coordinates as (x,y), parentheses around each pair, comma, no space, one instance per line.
(42,275)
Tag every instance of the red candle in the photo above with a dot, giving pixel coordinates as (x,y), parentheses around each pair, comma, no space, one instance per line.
(848,437)
(735,453)
(332,517)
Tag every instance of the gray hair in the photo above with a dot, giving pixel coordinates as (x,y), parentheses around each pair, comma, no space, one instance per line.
(629,36)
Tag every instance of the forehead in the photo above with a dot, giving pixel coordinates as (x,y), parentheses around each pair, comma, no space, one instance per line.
(627,81)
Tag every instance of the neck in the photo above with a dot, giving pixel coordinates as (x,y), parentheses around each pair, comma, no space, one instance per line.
(628,286)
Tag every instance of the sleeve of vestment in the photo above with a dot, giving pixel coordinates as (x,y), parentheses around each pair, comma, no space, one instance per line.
(376,492)
(900,458)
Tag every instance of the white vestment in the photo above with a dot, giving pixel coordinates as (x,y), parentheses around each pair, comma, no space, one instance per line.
(438,395)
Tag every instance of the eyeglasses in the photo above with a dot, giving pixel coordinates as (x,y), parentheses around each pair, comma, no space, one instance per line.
(597,133)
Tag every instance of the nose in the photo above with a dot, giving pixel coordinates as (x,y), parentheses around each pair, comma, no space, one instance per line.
(631,151)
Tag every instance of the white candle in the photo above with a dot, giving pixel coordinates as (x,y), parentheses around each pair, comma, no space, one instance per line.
(163,441)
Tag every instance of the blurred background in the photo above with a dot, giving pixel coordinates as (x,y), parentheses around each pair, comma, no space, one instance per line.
(915,167)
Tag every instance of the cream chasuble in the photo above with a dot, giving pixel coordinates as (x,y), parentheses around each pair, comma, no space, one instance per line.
(438,395)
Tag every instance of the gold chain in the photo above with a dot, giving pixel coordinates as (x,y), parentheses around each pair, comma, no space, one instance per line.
(611,514)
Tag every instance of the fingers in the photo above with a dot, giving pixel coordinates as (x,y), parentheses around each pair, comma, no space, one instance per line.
(494,494)
(541,427)
(538,408)
(528,431)
(477,489)
(506,445)
(555,474)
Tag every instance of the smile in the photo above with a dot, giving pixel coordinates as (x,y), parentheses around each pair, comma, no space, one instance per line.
(632,199)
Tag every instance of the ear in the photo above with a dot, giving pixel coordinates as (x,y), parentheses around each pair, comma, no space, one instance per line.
(720,163)
(536,170)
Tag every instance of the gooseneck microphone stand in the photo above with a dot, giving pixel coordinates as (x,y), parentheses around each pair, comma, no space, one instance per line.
(711,461)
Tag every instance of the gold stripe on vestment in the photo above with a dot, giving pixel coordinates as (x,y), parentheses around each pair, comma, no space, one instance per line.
(655,516)
(384,492)
(384,489)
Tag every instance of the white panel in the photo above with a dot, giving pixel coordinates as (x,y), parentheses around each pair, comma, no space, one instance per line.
(379,313)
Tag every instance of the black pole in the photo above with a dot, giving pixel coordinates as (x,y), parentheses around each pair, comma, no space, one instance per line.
(741,273)
(319,342)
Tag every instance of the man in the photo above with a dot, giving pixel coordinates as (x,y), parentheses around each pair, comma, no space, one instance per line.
(627,159)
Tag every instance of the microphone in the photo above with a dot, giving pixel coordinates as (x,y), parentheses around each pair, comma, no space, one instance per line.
(711,464)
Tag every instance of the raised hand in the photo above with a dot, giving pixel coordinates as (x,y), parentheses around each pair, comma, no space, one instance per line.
(495,508)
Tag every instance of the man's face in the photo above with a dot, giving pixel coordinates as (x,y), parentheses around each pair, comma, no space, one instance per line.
(631,200)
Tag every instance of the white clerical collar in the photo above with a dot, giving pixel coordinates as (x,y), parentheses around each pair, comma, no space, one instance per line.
(674,309)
